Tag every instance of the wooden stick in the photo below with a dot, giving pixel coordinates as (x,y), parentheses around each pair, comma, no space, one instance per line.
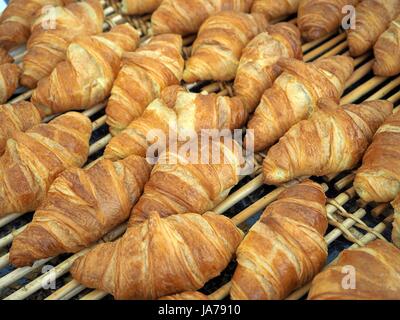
(94,295)
(326,46)
(71,286)
(99,122)
(317,42)
(379,209)
(99,144)
(336,50)
(363,89)
(385,90)
(221,293)
(4,260)
(360,73)
(339,185)
(6,240)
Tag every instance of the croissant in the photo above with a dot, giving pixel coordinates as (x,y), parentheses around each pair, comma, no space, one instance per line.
(219,44)
(86,77)
(258,67)
(378,179)
(20,116)
(188,295)
(33,159)
(47,47)
(144,74)
(161,256)
(294,95)
(332,140)
(374,270)
(9,79)
(317,18)
(272,261)
(396,221)
(273,9)
(373,17)
(185,17)
(81,206)
(387,51)
(190,114)
(139,7)
(181,182)
(5,57)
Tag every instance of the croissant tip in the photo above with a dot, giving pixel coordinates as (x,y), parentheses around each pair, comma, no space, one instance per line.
(28,81)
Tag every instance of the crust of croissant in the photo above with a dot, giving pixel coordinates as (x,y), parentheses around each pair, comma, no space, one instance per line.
(373,18)
(294,96)
(185,17)
(86,77)
(377,272)
(144,74)
(81,207)
(333,140)
(219,44)
(9,80)
(33,159)
(258,68)
(5,57)
(188,295)
(139,7)
(273,9)
(317,18)
(46,48)
(19,116)
(396,221)
(272,261)
(161,256)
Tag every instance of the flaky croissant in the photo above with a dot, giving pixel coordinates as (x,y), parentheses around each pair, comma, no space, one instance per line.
(219,44)
(20,116)
(144,74)
(368,273)
(387,51)
(81,206)
(396,221)
(47,47)
(317,18)
(5,57)
(378,179)
(273,9)
(334,139)
(294,96)
(258,67)
(9,80)
(138,7)
(285,249)
(86,77)
(188,295)
(373,17)
(161,256)
(185,17)
(33,159)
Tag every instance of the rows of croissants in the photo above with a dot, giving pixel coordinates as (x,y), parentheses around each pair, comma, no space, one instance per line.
(174,243)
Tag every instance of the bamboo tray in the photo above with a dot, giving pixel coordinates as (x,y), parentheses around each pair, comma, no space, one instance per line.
(352,222)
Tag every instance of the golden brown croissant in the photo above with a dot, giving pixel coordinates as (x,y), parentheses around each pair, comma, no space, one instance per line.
(5,57)
(181,182)
(33,159)
(378,179)
(47,47)
(219,44)
(161,256)
(294,95)
(396,221)
(258,67)
(376,272)
(373,17)
(188,295)
(9,79)
(387,51)
(20,116)
(191,113)
(81,207)
(86,77)
(185,17)
(273,9)
(144,74)
(285,249)
(317,18)
(334,139)
(138,7)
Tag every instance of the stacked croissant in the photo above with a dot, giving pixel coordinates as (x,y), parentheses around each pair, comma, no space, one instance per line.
(175,242)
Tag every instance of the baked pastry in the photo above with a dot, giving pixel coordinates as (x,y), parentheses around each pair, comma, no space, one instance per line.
(258,67)
(219,44)
(33,159)
(161,256)
(294,96)
(82,205)
(376,268)
(5,57)
(47,47)
(19,116)
(373,17)
(273,9)
(188,295)
(378,179)
(272,261)
(138,7)
(9,80)
(86,77)
(334,139)
(144,74)
(396,221)
(184,17)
